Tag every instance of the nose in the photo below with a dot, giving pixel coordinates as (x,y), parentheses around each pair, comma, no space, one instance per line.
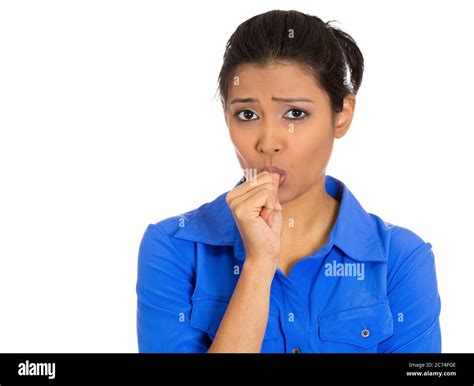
(269,142)
(269,150)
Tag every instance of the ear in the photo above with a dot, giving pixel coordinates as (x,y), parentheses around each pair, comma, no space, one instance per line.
(343,119)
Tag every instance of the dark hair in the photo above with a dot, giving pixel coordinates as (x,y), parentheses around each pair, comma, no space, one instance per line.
(329,53)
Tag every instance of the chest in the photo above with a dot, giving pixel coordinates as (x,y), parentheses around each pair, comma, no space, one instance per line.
(292,252)
(319,313)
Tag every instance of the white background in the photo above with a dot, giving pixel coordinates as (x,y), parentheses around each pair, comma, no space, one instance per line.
(109,122)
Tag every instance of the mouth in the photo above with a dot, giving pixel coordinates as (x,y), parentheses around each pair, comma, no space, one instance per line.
(281,172)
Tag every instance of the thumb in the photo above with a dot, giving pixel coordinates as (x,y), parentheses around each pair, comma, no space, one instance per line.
(277,224)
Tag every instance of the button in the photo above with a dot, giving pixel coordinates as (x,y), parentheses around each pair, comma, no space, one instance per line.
(296,350)
(365,333)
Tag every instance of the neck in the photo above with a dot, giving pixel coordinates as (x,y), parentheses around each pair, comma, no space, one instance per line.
(311,214)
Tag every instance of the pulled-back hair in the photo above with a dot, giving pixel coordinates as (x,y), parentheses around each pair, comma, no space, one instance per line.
(330,54)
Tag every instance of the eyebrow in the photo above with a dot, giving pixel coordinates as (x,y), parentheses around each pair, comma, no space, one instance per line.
(287,100)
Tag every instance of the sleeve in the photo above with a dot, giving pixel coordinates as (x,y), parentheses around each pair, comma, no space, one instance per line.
(415,304)
(164,287)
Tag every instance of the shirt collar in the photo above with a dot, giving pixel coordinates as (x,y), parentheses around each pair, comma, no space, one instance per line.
(354,231)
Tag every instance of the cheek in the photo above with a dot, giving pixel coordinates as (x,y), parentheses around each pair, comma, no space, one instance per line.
(321,150)
(243,150)
(314,148)
(242,162)
(310,158)
(244,145)
(239,139)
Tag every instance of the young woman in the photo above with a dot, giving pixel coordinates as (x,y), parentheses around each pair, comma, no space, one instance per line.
(288,261)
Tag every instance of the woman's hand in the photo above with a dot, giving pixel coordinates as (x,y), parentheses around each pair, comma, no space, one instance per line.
(257,212)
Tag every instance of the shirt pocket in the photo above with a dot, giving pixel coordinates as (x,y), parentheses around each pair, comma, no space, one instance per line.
(207,313)
(358,330)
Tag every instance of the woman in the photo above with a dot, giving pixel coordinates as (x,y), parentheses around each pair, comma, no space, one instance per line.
(288,261)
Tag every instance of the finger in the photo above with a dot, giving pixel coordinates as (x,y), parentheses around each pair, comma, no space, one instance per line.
(251,206)
(267,186)
(277,222)
(270,219)
(267,212)
(248,185)
(276,183)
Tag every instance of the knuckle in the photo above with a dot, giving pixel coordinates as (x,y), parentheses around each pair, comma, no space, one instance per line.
(265,189)
(238,212)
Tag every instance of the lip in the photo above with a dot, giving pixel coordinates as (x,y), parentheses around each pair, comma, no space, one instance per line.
(275,169)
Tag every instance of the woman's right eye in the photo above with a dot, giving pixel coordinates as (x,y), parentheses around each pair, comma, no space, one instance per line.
(245,115)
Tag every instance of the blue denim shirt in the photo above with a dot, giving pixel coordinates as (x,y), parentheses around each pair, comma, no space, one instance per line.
(371,288)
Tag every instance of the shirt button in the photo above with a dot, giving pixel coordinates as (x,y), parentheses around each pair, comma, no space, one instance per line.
(296,350)
(365,333)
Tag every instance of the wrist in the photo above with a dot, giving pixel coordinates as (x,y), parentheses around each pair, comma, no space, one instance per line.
(261,272)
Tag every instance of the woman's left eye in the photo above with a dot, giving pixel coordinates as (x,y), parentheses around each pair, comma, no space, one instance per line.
(297,114)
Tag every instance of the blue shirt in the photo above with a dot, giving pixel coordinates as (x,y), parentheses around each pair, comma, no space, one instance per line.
(371,288)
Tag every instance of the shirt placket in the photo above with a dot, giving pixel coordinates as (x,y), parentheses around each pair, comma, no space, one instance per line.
(294,318)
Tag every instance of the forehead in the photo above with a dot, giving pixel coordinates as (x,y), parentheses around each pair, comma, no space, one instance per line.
(276,79)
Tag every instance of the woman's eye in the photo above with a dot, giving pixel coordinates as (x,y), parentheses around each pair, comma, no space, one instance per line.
(245,115)
(297,114)
(249,115)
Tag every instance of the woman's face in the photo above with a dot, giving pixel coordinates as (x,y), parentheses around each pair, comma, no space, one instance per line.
(278,116)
